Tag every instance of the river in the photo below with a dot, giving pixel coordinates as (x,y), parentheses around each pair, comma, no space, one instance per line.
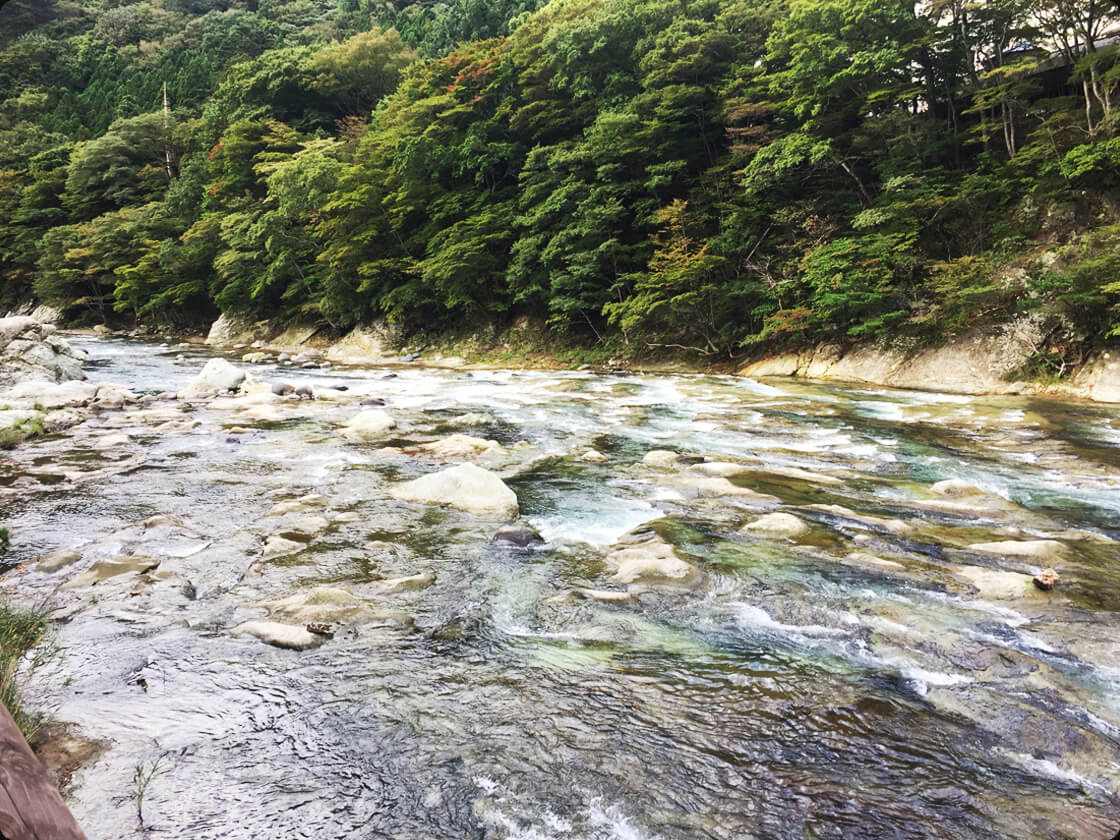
(872,678)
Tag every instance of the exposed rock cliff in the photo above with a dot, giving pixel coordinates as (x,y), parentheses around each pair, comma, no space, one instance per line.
(32,350)
(979,361)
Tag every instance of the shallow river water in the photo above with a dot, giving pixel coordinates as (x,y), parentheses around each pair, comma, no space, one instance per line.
(869,679)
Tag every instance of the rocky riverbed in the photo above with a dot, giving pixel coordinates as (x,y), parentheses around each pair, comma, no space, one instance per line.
(393,602)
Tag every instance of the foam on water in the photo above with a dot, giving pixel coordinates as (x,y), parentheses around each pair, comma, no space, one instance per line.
(749,616)
(922,679)
(599,819)
(1049,769)
(601,522)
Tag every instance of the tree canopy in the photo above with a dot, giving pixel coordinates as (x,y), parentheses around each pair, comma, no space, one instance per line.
(705,174)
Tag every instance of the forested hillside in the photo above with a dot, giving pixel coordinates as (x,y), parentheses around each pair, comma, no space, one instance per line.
(698,173)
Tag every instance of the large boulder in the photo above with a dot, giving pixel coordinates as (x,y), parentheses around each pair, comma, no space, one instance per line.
(661,458)
(456,446)
(465,487)
(32,350)
(49,394)
(720,488)
(231,329)
(976,362)
(1099,379)
(290,636)
(366,345)
(46,314)
(217,377)
(646,561)
(369,425)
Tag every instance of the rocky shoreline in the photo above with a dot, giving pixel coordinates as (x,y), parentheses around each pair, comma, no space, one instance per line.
(984,361)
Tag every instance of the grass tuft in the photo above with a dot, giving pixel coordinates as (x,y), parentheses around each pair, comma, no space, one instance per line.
(21,631)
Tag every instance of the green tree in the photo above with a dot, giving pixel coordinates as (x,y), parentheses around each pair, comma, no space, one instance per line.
(681,296)
(358,72)
(125,166)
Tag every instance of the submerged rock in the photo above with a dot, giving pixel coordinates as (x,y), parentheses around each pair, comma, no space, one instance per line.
(103,570)
(956,496)
(894,526)
(369,425)
(112,441)
(604,596)
(870,561)
(1046,551)
(779,525)
(801,475)
(304,527)
(412,583)
(955,488)
(304,504)
(465,487)
(719,469)
(475,418)
(57,560)
(593,456)
(321,604)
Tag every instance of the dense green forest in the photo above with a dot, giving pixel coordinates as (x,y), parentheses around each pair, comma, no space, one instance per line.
(712,174)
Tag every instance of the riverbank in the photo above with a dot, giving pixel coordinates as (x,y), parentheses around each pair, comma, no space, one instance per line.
(994,359)
(988,360)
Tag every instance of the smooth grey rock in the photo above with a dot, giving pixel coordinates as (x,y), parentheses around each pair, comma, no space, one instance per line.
(369,425)
(778,525)
(289,636)
(465,487)
(217,377)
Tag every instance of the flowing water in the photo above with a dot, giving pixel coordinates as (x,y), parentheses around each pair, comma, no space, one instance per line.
(862,681)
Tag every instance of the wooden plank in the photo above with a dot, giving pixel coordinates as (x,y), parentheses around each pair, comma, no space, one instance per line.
(31,808)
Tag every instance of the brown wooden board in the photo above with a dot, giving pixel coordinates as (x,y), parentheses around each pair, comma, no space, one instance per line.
(31,808)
